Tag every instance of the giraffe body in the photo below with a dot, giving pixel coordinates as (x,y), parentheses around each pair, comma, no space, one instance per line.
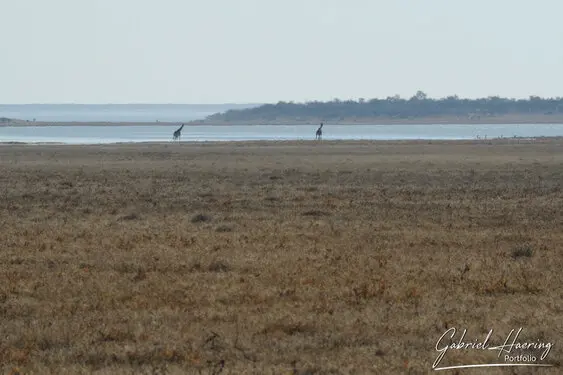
(178,133)
(319,133)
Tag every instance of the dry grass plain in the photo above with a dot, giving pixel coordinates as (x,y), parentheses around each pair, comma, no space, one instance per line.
(277,257)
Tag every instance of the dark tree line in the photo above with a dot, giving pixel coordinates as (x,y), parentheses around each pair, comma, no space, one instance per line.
(420,105)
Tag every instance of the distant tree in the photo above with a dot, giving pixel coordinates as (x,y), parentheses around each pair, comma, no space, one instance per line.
(394,98)
(420,95)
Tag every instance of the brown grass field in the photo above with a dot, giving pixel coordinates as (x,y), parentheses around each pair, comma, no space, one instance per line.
(278,257)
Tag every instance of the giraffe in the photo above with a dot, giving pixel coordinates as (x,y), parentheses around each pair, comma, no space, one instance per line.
(178,133)
(319,133)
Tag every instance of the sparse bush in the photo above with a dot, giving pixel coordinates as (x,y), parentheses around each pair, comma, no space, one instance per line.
(131,216)
(201,218)
(316,213)
(219,266)
(224,228)
(522,251)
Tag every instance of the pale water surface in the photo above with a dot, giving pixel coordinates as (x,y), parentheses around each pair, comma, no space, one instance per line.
(84,134)
(114,112)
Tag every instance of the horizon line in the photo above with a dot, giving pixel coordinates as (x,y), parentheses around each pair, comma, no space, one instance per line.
(290,101)
(139,103)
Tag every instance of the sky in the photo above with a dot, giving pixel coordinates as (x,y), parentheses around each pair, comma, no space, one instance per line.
(265,51)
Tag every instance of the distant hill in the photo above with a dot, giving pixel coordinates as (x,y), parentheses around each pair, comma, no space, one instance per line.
(5,121)
(419,108)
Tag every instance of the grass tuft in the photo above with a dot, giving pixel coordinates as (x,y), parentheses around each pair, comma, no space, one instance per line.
(522,251)
(224,228)
(130,217)
(201,218)
(219,266)
(316,213)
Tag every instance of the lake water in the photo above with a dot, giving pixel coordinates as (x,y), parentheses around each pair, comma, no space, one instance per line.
(161,133)
(114,112)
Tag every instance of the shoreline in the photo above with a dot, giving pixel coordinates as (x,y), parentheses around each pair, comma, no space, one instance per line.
(297,142)
(496,120)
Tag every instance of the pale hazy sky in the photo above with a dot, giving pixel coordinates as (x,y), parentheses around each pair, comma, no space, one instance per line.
(217,51)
